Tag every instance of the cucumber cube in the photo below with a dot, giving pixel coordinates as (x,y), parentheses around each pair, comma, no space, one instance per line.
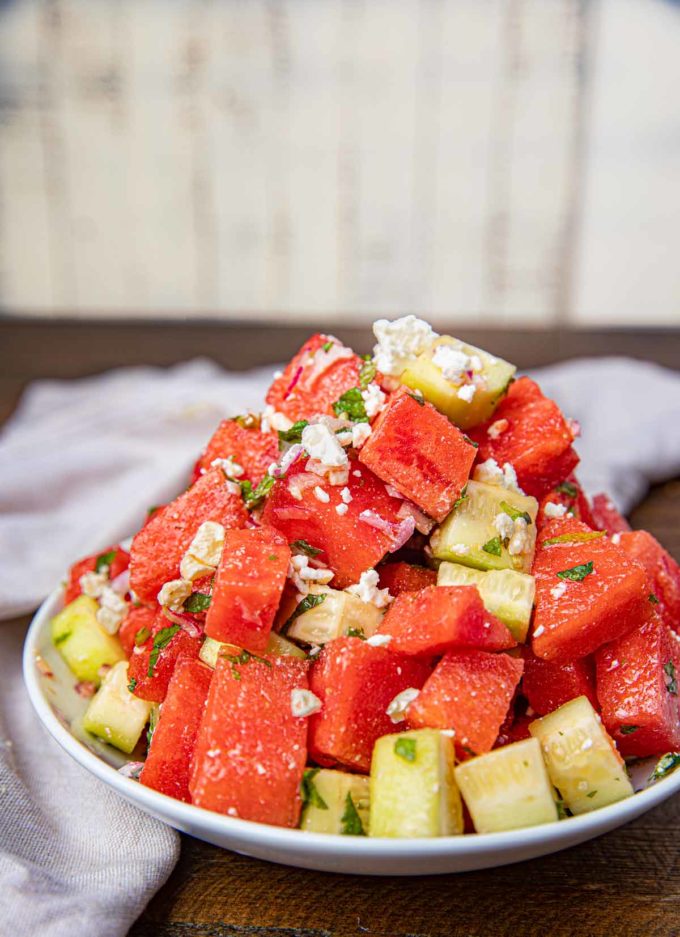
(114,714)
(413,789)
(339,614)
(276,646)
(506,593)
(582,759)
(469,535)
(82,641)
(507,788)
(335,802)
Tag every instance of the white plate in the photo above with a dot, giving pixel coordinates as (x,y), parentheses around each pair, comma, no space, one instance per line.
(60,708)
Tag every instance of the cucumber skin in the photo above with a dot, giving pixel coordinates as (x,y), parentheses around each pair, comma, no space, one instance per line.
(82,642)
(516,614)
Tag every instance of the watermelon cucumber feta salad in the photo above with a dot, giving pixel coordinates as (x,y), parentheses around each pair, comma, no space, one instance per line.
(384,606)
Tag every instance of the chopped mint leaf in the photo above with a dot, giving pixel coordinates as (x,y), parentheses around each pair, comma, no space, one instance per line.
(351,405)
(351,824)
(61,638)
(653,599)
(574,538)
(493,546)
(272,557)
(418,397)
(131,685)
(309,601)
(562,811)
(197,602)
(302,546)
(308,790)
(577,573)
(161,639)
(243,658)
(671,682)
(153,722)
(469,751)
(567,488)
(405,748)
(253,497)
(474,444)
(327,346)
(104,560)
(367,372)
(248,420)
(355,633)
(293,433)
(463,496)
(668,763)
(591,794)
(141,636)
(514,513)
(628,730)
(152,510)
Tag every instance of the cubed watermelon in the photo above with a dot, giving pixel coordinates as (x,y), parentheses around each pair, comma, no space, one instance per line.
(537,440)
(471,693)
(168,763)
(606,517)
(439,618)
(251,750)
(568,495)
(637,687)
(405,577)
(248,587)
(588,592)
(414,448)
(548,684)
(114,558)
(139,621)
(250,449)
(356,682)
(663,571)
(315,379)
(158,548)
(152,663)
(350,542)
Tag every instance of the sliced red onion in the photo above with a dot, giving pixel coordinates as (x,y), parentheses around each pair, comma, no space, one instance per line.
(132,770)
(121,584)
(323,360)
(86,689)
(399,533)
(424,524)
(288,459)
(403,533)
(393,493)
(574,427)
(296,378)
(185,621)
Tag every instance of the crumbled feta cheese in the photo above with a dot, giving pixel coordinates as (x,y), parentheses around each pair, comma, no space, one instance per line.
(491,473)
(112,610)
(520,542)
(360,433)
(208,543)
(379,640)
(93,584)
(558,591)
(341,509)
(401,702)
(174,594)
(233,487)
(510,478)
(321,495)
(461,549)
(504,525)
(497,428)
(229,466)
(346,495)
(466,392)
(277,375)
(301,573)
(554,510)
(367,590)
(357,473)
(399,342)
(193,569)
(304,702)
(539,631)
(613,666)
(374,400)
(616,538)
(452,362)
(271,420)
(321,444)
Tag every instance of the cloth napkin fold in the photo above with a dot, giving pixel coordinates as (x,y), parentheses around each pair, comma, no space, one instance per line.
(80,462)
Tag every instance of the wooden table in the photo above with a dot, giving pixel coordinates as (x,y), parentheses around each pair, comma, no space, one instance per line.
(625,883)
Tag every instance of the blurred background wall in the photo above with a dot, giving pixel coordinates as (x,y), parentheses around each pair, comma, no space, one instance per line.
(496,161)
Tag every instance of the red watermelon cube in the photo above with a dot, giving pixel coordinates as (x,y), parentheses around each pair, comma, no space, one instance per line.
(606,517)
(153,662)
(637,686)
(471,693)
(548,684)
(663,571)
(158,548)
(352,540)
(248,587)
(117,562)
(315,379)
(251,750)
(537,440)
(414,448)
(588,592)
(356,682)
(439,618)
(168,763)
(405,577)
(251,449)
(138,622)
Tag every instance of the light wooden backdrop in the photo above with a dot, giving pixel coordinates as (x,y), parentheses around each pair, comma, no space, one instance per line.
(510,160)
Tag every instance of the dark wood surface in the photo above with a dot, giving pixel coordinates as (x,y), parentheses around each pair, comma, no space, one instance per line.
(625,883)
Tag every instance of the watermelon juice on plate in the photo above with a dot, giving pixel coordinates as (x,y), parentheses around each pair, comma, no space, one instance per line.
(383,608)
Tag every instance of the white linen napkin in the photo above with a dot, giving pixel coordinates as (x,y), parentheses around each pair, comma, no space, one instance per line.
(80,462)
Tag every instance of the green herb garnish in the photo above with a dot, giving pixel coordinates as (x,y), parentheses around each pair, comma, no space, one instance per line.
(405,748)
(141,636)
(248,420)
(309,601)
(350,821)
(153,722)
(244,657)
(574,538)
(104,560)
(252,497)
(514,513)
(591,794)
(293,433)
(469,751)
(161,639)
(628,730)
(567,488)
(302,546)
(327,346)
(475,445)
(131,685)
(355,633)
(351,405)
(418,397)
(671,682)
(562,811)
(653,599)
(463,497)
(668,763)
(577,573)
(152,510)
(61,638)
(367,372)
(493,546)
(309,792)
(197,602)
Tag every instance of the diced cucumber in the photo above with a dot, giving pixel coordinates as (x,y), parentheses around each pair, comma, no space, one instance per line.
(114,714)
(276,646)
(581,757)
(82,641)
(413,789)
(279,646)
(507,788)
(493,381)
(340,613)
(506,593)
(335,802)
(469,528)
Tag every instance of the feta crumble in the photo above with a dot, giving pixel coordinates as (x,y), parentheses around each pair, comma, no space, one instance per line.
(112,610)
(321,495)
(174,594)
(367,590)
(346,495)
(490,473)
(208,543)
(272,420)
(558,591)
(520,542)
(401,702)
(466,392)
(538,631)
(229,466)
(554,510)
(374,400)
(616,538)
(304,702)
(360,433)
(93,584)
(341,509)
(504,525)
(321,444)
(452,362)
(379,640)
(399,342)
(497,428)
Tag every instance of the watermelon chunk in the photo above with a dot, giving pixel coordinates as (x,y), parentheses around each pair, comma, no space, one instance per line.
(419,452)
(251,750)
(637,686)
(137,619)
(663,571)
(439,618)
(317,376)
(158,548)
(537,440)
(350,542)
(356,683)
(570,496)
(248,588)
(606,517)
(152,663)
(253,450)
(405,577)
(471,693)
(600,595)
(117,564)
(548,684)
(168,763)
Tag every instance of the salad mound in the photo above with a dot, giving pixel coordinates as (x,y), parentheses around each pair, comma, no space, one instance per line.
(384,606)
